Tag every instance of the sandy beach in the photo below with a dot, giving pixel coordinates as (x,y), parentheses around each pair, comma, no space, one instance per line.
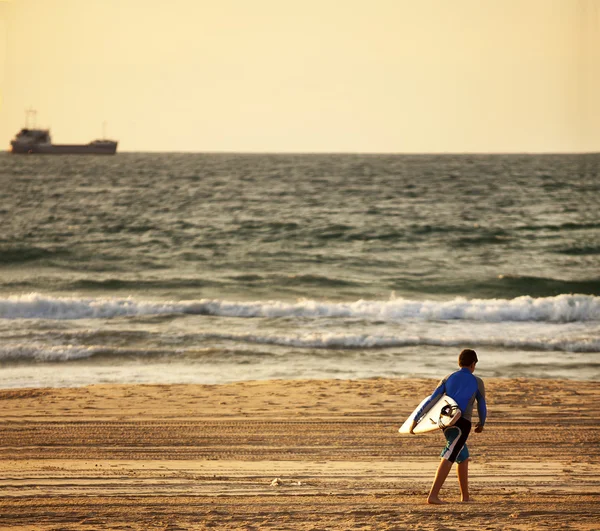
(308,455)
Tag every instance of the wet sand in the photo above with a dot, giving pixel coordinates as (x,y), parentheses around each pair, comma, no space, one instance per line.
(307,455)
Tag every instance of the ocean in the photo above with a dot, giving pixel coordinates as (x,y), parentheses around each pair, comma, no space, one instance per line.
(213,268)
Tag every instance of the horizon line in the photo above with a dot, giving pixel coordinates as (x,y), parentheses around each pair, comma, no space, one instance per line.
(375,153)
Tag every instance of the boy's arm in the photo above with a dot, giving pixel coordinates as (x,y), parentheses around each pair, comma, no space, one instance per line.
(439,391)
(481,405)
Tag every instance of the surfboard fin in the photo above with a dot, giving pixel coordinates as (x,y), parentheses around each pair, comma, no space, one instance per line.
(452,413)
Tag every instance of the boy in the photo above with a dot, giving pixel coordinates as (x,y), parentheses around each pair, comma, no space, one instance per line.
(464,387)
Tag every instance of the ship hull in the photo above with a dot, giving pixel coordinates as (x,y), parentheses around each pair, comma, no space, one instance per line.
(64,149)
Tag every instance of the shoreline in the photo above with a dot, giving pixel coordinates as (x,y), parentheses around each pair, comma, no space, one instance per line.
(413,378)
(292,454)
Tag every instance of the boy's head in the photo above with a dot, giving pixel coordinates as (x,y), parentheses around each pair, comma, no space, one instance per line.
(467,357)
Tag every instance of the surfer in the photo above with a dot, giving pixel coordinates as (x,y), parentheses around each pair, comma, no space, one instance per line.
(464,387)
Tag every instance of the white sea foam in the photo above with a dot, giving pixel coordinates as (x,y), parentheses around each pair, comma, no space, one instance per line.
(562,308)
(366,341)
(46,353)
(37,306)
(40,352)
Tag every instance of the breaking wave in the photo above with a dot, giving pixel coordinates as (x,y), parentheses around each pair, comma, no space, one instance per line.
(38,352)
(562,308)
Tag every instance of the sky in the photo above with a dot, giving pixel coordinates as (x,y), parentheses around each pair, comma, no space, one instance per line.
(393,76)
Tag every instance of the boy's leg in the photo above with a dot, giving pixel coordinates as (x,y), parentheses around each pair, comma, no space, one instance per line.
(440,476)
(463,480)
(456,437)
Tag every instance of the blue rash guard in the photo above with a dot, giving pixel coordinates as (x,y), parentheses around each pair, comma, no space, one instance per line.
(464,388)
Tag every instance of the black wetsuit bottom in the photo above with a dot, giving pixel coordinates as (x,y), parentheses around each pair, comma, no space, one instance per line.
(456,436)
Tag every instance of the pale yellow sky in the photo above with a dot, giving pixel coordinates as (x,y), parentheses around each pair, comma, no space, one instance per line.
(306,76)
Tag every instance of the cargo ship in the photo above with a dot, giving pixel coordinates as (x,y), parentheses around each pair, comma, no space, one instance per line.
(38,141)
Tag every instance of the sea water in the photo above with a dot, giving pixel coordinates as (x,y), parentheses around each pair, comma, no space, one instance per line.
(210,268)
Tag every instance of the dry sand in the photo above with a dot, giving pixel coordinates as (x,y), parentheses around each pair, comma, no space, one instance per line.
(310,455)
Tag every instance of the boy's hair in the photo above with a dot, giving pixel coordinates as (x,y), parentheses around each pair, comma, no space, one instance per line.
(467,357)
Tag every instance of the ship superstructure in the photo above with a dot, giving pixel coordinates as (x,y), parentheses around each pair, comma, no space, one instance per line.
(38,141)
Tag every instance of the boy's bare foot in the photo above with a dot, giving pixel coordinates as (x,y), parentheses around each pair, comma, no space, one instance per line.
(434,500)
(466,500)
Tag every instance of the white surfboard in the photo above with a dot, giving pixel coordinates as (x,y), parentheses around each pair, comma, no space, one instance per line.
(443,413)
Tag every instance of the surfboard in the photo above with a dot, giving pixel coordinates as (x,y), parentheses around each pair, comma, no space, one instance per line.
(443,413)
